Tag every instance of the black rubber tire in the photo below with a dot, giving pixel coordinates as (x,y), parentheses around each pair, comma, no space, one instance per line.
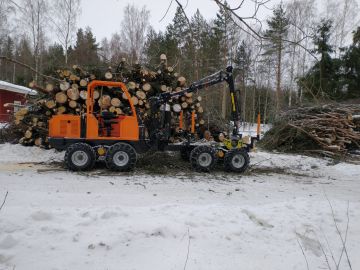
(128,150)
(232,156)
(195,161)
(87,149)
(185,154)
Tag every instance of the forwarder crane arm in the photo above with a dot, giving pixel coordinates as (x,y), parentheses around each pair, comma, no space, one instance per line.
(218,77)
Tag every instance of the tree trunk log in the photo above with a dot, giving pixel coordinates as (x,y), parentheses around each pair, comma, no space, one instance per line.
(73,94)
(61,97)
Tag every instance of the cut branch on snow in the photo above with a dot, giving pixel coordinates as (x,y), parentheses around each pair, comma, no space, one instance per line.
(3,203)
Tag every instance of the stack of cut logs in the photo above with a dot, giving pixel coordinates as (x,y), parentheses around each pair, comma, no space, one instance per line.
(67,95)
(331,130)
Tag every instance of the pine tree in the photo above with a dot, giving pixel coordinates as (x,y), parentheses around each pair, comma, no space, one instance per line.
(242,69)
(275,45)
(224,35)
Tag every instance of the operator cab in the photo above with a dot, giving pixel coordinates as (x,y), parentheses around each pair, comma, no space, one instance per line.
(106,121)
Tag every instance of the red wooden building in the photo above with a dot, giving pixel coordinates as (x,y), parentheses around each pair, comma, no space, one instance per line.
(14,94)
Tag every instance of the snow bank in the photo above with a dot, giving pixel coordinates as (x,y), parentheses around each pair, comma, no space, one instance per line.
(2,125)
(19,153)
(293,163)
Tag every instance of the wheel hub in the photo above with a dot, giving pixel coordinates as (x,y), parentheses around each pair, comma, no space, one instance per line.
(121,158)
(79,158)
(238,161)
(205,159)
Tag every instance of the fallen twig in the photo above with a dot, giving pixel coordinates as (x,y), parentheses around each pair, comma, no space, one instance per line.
(140,184)
(346,234)
(328,246)
(343,241)
(303,252)
(188,249)
(3,203)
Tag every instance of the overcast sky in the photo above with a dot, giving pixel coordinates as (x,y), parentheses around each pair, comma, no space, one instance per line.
(104,16)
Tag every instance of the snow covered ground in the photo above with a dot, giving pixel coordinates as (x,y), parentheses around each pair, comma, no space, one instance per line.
(54,219)
(249,129)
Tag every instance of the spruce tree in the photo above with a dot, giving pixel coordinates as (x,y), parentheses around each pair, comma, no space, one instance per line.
(85,51)
(23,54)
(221,30)
(178,32)
(200,31)
(54,59)
(8,50)
(352,67)
(324,79)
(160,43)
(325,66)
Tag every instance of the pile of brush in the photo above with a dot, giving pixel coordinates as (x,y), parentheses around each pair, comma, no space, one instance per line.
(66,93)
(331,130)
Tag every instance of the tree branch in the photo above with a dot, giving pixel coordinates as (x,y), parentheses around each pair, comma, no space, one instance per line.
(167,10)
(5,58)
(259,37)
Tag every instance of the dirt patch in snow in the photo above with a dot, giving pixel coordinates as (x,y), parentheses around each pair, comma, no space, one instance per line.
(18,158)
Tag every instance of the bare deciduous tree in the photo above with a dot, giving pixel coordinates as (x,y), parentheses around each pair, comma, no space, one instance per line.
(5,9)
(116,48)
(65,14)
(345,17)
(133,30)
(34,20)
(105,53)
(301,19)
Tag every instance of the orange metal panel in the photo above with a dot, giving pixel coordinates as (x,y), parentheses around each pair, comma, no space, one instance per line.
(66,126)
(92,127)
(126,129)
(181,120)
(193,122)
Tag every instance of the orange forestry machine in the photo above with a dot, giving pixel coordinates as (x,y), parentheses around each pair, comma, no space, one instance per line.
(118,139)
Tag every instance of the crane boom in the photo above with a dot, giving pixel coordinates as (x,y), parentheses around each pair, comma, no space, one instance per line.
(216,78)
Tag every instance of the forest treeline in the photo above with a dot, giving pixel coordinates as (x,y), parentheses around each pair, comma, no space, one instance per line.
(307,53)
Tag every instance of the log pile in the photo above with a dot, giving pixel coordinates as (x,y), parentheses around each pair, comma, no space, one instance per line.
(68,95)
(331,130)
